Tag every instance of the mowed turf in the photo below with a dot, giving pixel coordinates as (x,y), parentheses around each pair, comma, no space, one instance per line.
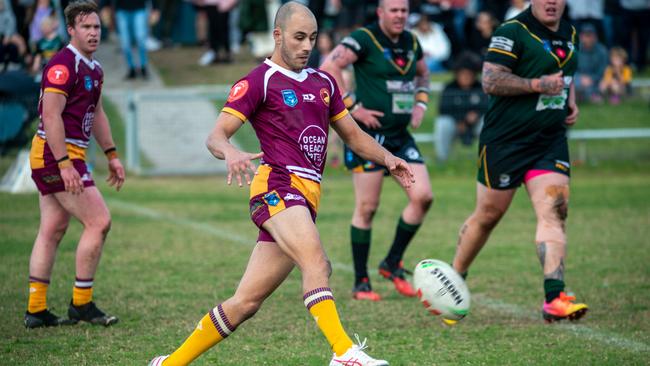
(178,247)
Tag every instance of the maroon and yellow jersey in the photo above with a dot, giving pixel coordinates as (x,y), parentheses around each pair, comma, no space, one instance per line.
(71,74)
(290,113)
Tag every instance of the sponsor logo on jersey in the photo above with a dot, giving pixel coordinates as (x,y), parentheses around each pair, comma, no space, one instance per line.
(86,177)
(238,91)
(502,43)
(87,122)
(325,96)
(560,52)
(289,97)
(313,143)
(400,86)
(294,197)
(88,83)
(308,97)
(58,74)
(547,45)
(96,83)
(352,43)
(272,198)
(504,180)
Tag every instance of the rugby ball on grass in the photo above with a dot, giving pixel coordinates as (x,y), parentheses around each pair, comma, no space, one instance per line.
(441,289)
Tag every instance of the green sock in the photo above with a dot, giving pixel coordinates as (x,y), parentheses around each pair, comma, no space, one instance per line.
(403,235)
(552,289)
(360,239)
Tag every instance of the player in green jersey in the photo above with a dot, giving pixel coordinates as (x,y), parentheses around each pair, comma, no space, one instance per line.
(392,91)
(528,73)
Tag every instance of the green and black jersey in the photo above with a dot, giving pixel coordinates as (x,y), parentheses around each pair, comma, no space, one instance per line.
(384,74)
(530,50)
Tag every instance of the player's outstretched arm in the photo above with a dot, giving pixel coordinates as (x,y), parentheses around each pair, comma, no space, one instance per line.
(104,137)
(239,163)
(368,148)
(53,105)
(499,80)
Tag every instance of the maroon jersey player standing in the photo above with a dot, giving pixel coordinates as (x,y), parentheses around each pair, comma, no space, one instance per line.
(71,111)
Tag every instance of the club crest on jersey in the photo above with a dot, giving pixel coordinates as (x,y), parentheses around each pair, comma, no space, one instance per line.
(272,198)
(547,45)
(88,83)
(289,97)
(325,96)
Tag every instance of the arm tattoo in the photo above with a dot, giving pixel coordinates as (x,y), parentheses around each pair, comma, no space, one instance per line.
(499,80)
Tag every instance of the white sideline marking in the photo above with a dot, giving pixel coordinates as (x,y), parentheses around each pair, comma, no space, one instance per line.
(608,338)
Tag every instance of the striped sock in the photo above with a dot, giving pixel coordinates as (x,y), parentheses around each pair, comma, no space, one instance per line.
(37,294)
(320,303)
(212,329)
(82,293)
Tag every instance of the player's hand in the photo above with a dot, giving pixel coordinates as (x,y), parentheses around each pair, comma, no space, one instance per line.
(116,173)
(572,116)
(417,116)
(71,180)
(400,170)
(240,163)
(550,84)
(368,117)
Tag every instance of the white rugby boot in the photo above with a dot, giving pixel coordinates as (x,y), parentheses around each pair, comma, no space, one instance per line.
(158,360)
(355,356)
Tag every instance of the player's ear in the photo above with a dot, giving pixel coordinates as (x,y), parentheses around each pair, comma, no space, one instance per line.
(277,35)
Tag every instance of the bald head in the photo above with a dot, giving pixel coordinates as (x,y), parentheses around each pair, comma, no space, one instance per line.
(288,10)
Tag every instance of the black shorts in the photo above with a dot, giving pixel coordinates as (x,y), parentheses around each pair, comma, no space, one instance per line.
(504,166)
(402,146)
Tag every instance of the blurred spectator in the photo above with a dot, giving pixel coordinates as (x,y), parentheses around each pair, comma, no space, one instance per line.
(12,45)
(442,12)
(168,14)
(324,45)
(218,32)
(592,61)
(497,8)
(516,7)
(42,11)
(618,76)
(479,38)
(636,30)
(48,45)
(613,24)
(435,44)
(132,18)
(587,12)
(462,105)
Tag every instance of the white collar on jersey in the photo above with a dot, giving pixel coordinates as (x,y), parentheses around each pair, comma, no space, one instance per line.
(298,76)
(90,63)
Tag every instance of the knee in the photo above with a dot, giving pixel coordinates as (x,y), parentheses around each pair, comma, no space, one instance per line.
(424,200)
(488,216)
(56,232)
(100,224)
(556,206)
(367,209)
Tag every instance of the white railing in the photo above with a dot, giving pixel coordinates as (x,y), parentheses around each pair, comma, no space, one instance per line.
(579,135)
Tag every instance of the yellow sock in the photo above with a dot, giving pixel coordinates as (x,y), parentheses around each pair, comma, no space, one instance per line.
(212,329)
(320,303)
(82,293)
(37,295)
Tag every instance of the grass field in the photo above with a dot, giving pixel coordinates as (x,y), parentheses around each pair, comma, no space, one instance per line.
(179,245)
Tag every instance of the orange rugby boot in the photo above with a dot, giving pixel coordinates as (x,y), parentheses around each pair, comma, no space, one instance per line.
(563,307)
